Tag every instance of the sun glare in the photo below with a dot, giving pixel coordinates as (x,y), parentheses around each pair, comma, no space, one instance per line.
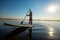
(52,8)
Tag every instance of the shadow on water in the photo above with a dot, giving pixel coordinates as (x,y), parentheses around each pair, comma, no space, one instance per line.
(37,34)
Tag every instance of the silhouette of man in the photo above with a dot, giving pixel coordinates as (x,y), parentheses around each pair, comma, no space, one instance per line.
(30,16)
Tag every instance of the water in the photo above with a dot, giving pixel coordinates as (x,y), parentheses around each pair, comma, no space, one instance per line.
(41,30)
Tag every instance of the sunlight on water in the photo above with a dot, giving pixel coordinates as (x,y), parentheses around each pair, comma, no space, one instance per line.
(51,31)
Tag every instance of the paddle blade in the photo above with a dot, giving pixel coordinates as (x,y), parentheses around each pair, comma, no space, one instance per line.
(22,22)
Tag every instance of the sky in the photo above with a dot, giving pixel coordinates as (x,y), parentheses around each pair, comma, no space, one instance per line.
(41,9)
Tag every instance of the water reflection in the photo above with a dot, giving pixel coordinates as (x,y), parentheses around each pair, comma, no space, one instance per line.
(51,31)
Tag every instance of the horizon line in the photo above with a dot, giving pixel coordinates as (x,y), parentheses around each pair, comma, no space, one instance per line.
(33,19)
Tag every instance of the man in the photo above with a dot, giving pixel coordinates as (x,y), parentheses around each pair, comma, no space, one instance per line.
(30,16)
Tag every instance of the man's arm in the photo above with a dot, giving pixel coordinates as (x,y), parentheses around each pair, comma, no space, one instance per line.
(27,15)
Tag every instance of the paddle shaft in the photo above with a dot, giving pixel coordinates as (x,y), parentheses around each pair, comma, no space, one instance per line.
(23,20)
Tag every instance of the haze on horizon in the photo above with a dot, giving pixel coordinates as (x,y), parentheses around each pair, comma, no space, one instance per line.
(41,9)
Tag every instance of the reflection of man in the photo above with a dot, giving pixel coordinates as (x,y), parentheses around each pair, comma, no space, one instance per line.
(30,15)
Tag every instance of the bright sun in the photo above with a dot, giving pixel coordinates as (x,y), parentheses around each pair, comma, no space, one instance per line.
(52,8)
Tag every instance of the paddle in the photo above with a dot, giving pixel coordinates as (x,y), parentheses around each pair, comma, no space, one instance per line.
(23,20)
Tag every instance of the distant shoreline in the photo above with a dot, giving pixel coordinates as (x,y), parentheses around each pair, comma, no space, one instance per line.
(26,19)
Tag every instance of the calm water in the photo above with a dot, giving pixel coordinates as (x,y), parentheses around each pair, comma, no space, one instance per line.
(42,30)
